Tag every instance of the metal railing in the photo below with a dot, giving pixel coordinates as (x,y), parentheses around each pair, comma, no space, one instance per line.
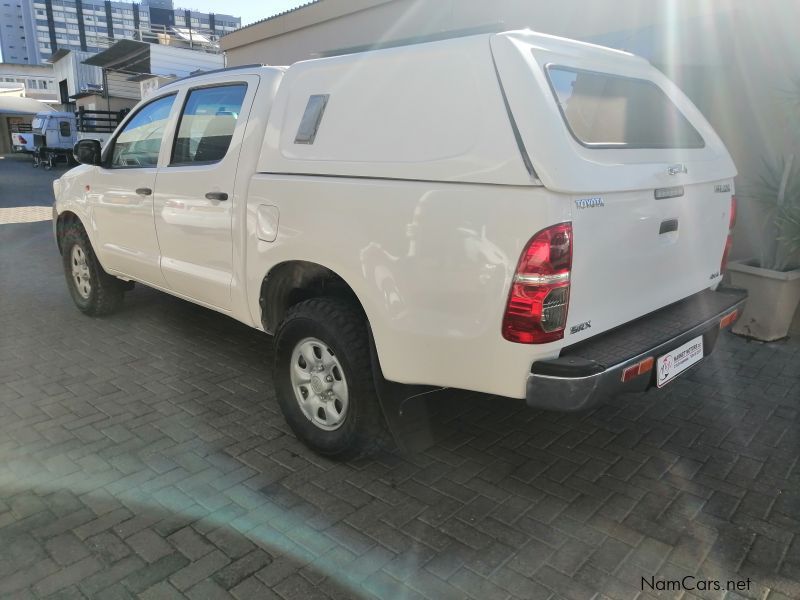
(98,121)
(194,38)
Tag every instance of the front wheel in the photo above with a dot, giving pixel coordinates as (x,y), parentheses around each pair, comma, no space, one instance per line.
(94,291)
(323,379)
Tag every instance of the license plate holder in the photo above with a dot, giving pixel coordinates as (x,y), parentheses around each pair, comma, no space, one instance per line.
(675,362)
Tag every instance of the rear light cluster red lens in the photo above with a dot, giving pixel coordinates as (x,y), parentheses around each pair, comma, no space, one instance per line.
(640,368)
(729,241)
(729,319)
(536,312)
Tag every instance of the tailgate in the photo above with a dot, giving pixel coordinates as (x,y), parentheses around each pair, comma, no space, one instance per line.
(564,163)
(647,179)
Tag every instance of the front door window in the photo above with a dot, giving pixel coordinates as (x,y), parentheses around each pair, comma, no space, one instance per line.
(139,142)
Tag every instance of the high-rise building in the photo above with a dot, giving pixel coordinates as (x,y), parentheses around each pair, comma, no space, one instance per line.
(32,30)
(17,37)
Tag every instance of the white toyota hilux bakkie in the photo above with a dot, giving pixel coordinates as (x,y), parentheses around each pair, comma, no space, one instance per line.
(515,214)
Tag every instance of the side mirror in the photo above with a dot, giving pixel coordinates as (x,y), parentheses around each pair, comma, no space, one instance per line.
(87,152)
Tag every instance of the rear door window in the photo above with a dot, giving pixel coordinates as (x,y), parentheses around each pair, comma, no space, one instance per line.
(603,110)
(207,124)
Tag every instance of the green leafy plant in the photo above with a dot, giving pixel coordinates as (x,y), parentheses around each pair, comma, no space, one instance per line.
(789,222)
(777,191)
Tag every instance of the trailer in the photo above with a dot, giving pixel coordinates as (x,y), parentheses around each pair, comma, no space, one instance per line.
(22,138)
(54,136)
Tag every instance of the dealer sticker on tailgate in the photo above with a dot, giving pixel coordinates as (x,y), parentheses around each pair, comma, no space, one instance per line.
(676,362)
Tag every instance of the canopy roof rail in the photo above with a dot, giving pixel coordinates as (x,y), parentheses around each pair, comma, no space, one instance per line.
(214,71)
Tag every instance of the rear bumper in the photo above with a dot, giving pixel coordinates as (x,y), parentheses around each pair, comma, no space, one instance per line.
(591,371)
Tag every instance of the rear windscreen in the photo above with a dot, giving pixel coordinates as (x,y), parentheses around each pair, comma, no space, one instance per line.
(610,111)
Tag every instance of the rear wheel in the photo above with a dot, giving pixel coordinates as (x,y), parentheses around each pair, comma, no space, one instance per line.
(323,379)
(94,291)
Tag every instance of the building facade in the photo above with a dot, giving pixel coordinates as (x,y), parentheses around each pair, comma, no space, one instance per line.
(17,37)
(31,31)
(38,81)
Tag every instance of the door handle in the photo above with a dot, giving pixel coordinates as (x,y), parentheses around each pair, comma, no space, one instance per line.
(668,226)
(144,191)
(217,196)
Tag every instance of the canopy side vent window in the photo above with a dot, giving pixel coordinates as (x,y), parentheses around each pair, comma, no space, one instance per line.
(312,117)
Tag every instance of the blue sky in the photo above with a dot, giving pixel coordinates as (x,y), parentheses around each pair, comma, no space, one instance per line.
(249,10)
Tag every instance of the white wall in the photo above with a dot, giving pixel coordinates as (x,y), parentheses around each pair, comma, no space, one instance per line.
(165,60)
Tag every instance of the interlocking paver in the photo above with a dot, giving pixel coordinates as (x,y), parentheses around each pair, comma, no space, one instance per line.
(66,549)
(149,545)
(67,576)
(144,454)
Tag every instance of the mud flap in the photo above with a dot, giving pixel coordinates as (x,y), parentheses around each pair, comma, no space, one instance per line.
(404,407)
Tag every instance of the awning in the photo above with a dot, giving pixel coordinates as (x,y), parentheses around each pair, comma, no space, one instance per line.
(125,55)
(13,105)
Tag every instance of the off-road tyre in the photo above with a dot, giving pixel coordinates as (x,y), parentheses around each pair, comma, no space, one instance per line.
(343,327)
(106,293)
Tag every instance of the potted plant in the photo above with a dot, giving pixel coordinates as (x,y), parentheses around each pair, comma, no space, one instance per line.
(772,279)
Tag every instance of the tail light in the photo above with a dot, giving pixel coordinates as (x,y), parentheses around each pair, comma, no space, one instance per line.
(536,312)
(729,241)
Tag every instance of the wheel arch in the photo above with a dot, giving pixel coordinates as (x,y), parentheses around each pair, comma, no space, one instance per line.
(293,281)
(64,219)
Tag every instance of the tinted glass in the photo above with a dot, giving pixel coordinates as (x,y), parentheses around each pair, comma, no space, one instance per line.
(309,124)
(609,111)
(207,123)
(64,128)
(139,142)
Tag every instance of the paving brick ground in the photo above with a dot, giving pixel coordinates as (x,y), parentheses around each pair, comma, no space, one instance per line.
(144,455)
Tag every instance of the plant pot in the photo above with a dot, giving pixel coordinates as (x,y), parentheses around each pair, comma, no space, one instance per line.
(773,297)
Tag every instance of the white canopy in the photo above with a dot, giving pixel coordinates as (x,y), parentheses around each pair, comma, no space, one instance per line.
(13,105)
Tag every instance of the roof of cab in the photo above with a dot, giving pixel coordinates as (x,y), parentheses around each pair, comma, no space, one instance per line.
(219,73)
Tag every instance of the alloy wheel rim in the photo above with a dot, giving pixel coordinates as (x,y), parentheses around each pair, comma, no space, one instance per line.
(319,384)
(80,272)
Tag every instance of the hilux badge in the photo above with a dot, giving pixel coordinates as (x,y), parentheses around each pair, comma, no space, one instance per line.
(597,201)
(722,188)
